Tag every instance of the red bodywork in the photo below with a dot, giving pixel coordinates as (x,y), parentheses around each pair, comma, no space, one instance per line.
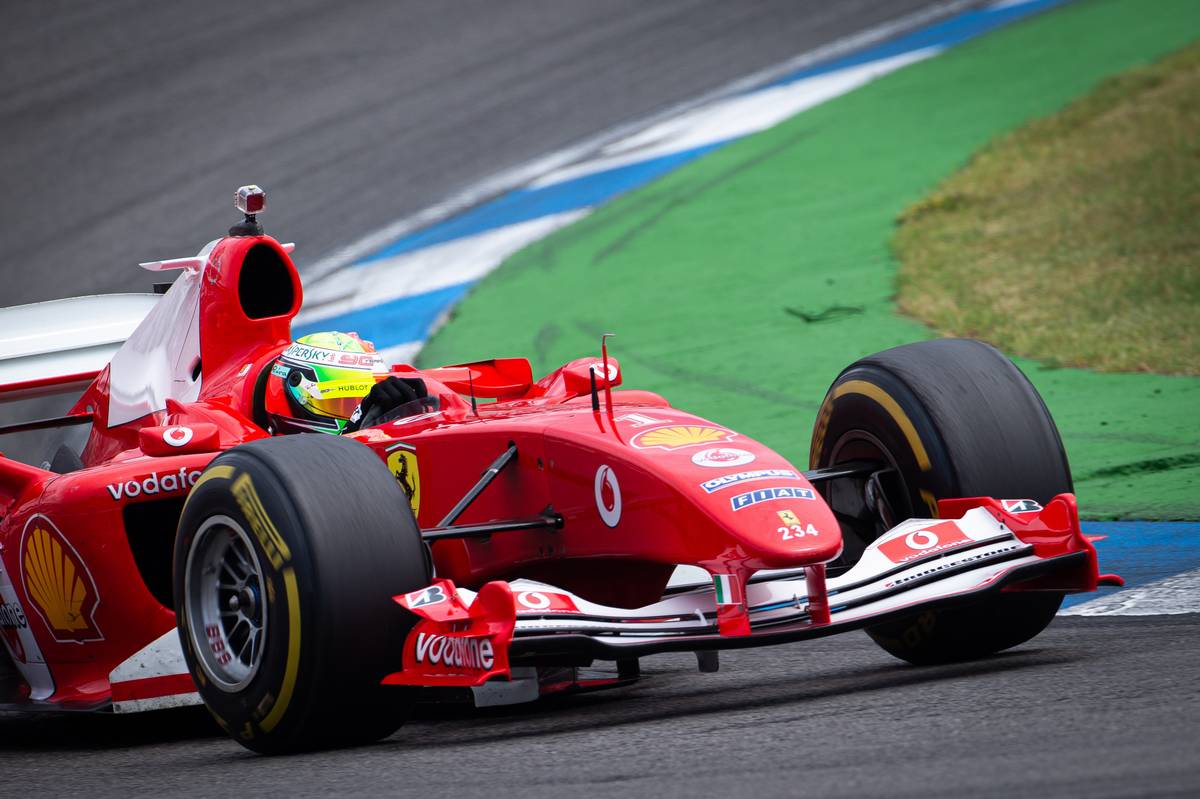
(631,482)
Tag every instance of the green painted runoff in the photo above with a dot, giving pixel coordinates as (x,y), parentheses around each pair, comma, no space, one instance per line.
(742,283)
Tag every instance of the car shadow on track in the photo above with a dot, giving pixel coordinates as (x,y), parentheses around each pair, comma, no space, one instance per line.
(647,701)
(660,695)
(86,731)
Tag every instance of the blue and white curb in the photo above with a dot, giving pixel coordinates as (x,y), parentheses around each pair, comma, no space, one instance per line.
(397,289)
(1160,562)
(1179,593)
(397,286)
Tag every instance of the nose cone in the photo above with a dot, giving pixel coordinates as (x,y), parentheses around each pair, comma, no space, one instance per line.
(765,504)
(760,500)
(657,484)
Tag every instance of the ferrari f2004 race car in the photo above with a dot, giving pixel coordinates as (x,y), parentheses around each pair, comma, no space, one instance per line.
(161,546)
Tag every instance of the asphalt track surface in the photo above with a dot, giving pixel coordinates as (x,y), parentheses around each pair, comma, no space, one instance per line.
(128,124)
(126,127)
(1092,707)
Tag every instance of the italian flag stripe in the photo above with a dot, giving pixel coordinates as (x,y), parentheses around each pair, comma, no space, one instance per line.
(724,586)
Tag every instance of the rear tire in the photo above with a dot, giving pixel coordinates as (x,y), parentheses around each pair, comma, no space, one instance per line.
(949,418)
(288,554)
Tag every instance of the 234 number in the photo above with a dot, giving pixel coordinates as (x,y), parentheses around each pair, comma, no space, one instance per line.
(791,531)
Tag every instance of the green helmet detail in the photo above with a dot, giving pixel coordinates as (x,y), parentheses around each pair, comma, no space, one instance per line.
(325,376)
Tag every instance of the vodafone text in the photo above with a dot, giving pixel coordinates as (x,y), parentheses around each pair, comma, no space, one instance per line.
(467,652)
(157,483)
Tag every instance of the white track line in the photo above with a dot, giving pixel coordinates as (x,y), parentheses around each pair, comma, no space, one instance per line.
(524,174)
(733,117)
(428,269)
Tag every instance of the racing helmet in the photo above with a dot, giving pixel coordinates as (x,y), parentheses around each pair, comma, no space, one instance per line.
(319,381)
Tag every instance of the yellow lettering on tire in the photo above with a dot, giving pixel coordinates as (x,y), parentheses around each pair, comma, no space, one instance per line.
(264,529)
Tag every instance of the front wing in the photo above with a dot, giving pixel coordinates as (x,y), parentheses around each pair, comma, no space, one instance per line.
(469,639)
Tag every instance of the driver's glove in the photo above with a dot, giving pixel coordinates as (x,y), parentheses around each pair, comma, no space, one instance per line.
(389,399)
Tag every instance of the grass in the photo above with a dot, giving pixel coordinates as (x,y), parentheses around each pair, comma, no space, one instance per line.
(1075,239)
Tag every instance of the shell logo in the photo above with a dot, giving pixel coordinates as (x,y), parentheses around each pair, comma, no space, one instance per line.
(680,436)
(58,584)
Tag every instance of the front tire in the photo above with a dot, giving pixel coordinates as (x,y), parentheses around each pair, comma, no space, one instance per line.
(944,418)
(288,554)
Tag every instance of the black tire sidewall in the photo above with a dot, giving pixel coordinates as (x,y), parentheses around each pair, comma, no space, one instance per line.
(848,414)
(985,432)
(983,426)
(235,710)
(350,631)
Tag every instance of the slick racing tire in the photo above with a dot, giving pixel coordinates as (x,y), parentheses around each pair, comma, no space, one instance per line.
(944,418)
(288,554)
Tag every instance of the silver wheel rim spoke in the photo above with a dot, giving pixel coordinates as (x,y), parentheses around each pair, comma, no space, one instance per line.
(225,592)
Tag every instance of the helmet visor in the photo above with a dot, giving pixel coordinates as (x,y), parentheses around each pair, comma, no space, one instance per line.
(335,398)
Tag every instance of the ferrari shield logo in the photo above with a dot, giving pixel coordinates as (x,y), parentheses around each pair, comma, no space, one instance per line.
(403,464)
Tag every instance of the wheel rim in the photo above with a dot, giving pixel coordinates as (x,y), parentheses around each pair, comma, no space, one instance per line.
(224,592)
(850,505)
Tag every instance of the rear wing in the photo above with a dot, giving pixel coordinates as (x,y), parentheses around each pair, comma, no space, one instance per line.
(61,345)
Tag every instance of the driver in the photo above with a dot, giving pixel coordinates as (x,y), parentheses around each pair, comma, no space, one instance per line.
(337,383)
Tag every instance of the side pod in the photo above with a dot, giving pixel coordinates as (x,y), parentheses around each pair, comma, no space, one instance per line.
(16,479)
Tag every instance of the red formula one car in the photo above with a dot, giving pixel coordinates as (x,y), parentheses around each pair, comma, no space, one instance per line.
(163,548)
